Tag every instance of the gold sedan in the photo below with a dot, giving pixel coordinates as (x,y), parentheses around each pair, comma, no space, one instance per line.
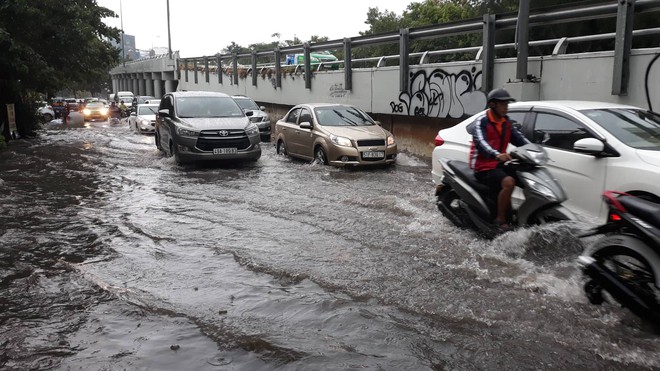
(334,134)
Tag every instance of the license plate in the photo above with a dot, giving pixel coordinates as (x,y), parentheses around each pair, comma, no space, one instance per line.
(373,154)
(225,151)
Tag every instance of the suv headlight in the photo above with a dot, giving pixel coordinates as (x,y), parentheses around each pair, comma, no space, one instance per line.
(341,141)
(251,129)
(390,140)
(184,132)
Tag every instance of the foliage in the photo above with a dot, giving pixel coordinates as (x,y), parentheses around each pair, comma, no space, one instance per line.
(52,45)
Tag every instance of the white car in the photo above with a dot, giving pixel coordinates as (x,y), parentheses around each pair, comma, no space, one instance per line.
(143,120)
(593,147)
(46,111)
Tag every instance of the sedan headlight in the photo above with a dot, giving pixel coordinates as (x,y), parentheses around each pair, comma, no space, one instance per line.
(341,141)
(104,111)
(86,112)
(251,129)
(390,140)
(144,122)
(184,132)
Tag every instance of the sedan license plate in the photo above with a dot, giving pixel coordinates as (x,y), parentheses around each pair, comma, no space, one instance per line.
(225,151)
(373,154)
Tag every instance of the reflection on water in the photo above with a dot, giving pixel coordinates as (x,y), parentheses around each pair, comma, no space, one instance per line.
(115,257)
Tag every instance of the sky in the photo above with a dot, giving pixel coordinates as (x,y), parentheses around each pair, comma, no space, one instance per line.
(205,27)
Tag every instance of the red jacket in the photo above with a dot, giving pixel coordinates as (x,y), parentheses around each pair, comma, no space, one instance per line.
(488,142)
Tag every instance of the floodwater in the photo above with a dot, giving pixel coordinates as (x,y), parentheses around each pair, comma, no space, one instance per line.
(113,257)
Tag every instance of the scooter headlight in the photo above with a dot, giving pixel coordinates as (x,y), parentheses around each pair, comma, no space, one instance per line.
(540,188)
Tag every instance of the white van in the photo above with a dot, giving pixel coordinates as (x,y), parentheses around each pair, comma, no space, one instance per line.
(125,96)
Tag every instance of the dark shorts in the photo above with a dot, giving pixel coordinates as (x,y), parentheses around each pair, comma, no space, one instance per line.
(493,179)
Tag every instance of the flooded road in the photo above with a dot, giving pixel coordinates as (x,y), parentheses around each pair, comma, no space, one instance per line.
(113,257)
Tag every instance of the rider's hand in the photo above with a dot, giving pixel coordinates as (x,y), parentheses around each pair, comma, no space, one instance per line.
(504,157)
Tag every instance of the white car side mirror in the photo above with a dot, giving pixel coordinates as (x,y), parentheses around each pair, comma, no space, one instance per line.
(589,145)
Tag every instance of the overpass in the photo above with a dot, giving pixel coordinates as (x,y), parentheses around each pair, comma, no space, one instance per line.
(416,94)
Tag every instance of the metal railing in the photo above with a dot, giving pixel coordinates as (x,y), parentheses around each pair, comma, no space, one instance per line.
(622,10)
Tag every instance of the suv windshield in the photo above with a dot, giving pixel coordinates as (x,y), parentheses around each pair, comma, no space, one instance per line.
(247,104)
(636,128)
(192,107)
(342,116)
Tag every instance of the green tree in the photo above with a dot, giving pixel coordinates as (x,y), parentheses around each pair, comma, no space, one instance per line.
(50,46)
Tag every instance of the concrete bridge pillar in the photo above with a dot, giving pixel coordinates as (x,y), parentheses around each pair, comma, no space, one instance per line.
(135,83)
(169,86)
(149,85)
(158,88)
(142,86)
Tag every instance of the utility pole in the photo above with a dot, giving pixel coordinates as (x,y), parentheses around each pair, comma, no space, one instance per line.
(169,38)
(123,45)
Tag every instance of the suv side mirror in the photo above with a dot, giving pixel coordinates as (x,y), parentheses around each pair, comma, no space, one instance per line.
(263,108)
(249,113)
(164,112)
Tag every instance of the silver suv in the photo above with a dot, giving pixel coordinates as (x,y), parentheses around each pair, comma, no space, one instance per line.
(200,125)
(259,117)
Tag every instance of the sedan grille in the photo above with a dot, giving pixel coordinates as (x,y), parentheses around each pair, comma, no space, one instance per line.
(210,139)
(371,142)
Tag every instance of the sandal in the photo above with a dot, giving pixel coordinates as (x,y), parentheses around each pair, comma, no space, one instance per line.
(504,227)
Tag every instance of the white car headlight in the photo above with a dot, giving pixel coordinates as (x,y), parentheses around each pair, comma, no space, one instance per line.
(183,132)
(341,141)
(251,129)
(390,140)
(86,112)
(144,122)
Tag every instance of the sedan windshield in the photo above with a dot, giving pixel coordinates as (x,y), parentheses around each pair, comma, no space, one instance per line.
(342,116)
(198,107)
(148,110)
(247,104)
(634,127)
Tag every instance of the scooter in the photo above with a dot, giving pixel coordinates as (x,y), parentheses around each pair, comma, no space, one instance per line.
(625,262)
(464,200)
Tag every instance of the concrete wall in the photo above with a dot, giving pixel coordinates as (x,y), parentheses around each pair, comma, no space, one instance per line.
(440,95)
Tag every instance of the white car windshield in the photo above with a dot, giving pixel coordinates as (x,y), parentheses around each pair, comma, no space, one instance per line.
(342,116)
(634,127)
(147,110)
(197,107)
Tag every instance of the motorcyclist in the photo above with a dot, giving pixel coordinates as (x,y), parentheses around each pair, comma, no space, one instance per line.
(491,136)
(115,112)
(122,108)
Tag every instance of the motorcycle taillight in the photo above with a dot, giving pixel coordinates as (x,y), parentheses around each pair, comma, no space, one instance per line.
(439,141)
(614,217)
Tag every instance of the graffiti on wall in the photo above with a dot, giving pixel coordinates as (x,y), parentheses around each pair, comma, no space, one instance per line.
(442,94)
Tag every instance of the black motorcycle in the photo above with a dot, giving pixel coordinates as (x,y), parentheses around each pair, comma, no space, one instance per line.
(625,262)
(464,200)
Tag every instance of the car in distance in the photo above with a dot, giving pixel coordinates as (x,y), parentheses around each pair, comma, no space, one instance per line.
(45,111)
(202,125)
(259,116)
(334,134)
(592,146)
(143,118)
(95,111)
(140,99)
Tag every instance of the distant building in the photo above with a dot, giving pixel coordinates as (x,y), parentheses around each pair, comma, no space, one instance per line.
(130,52)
